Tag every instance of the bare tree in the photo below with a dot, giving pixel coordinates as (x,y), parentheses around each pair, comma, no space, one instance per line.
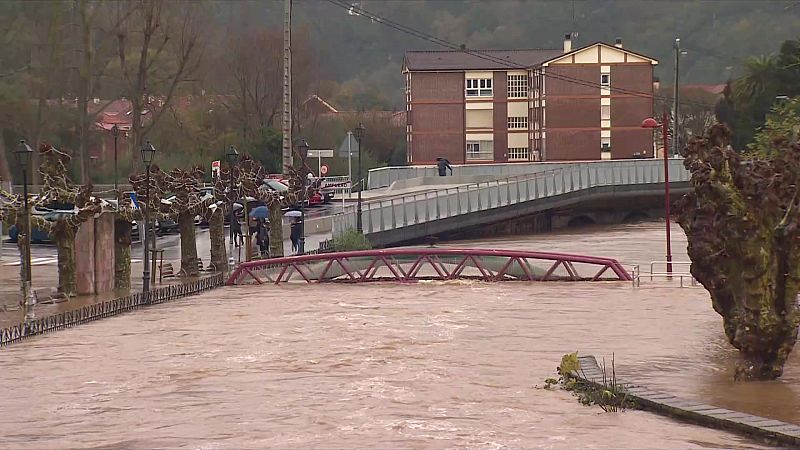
(159,48)
(94,60)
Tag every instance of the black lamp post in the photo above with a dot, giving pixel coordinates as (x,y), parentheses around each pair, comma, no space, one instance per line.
(359,133)
(302,147)
(23,153)
(148,151)
(115,133)
(232,156)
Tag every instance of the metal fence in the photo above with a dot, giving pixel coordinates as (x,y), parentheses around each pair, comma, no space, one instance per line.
(385,176)
(107,308)
(424,207)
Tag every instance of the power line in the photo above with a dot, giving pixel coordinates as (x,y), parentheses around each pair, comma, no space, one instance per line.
(356,10)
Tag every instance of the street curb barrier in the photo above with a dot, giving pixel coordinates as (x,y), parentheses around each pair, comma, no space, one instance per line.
(761,428)
(108,308)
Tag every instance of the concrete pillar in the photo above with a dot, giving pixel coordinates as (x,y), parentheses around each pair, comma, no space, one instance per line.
(84,258)
(104,253)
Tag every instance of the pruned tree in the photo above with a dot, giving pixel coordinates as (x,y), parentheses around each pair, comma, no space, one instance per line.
(741,220)
(159,48)
(58,189)
(184,203)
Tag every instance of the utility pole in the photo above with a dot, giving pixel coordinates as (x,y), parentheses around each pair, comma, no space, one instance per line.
(676,122)
(287,86)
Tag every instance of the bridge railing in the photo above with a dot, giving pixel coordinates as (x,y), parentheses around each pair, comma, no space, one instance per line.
(412,209)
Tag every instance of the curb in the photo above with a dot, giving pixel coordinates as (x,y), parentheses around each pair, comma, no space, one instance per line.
(772,431)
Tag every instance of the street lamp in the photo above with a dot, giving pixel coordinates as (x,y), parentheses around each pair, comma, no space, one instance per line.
(359,133)
(653,124)
(302,148)
(232,156)
(148,151)
(115,133)
(23,154)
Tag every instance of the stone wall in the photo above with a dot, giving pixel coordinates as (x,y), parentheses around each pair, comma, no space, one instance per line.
(94,255)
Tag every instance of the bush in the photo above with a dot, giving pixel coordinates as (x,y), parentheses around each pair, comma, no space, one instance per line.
(350,240)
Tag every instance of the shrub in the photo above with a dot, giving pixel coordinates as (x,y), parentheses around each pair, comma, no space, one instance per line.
(350,240)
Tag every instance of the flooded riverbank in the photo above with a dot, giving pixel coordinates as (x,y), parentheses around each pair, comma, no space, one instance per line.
(387,365)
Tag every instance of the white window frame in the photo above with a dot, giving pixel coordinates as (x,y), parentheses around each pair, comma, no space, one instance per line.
(519,154)
(517,86)
(478,87)
(605,80)
(605,112)
(518,123)
(480,151)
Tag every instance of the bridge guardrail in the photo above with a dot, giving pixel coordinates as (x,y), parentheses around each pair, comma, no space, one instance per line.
(419,208)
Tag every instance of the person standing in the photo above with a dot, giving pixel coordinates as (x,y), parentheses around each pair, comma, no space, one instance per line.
(262,239)
(236,229)
(443,164)
(294,235)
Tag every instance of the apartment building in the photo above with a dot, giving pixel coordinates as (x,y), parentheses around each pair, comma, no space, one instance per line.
(528,105)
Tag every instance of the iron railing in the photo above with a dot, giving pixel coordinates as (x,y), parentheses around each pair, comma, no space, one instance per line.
(107,308)
(406,264)
(412,209)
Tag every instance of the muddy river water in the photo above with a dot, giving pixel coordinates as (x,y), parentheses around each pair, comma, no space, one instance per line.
(428,365)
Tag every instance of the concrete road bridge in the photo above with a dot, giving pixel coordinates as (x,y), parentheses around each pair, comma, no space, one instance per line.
(553,195)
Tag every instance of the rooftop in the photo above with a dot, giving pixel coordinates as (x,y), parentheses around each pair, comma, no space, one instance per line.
(440,60)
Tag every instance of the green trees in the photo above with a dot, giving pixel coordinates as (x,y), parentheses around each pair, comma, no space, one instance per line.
(766,83)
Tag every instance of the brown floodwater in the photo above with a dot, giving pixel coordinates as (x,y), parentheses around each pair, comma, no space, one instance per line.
(426,365)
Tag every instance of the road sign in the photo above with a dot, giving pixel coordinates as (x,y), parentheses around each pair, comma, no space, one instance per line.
(320,153)
(215,169)
(324,169)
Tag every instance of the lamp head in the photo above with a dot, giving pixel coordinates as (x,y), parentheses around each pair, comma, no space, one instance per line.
(231,155)
(649,123)
(148,152)
(360,131)
(23,153)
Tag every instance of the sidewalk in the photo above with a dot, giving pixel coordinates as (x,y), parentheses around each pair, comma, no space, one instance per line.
(44,274)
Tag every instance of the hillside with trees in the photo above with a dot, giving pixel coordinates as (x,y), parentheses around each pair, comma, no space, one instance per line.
(198,76)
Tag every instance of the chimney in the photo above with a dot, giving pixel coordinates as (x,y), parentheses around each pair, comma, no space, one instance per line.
(618,42)
(567,43)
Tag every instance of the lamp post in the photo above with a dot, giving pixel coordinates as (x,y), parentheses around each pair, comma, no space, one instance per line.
(302,147)
(652,124)
(148,151)
(115,133)
(359,132)
(23,153)
(232,156)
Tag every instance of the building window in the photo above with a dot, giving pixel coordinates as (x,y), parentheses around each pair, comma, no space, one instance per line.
(480,150)
(605,80)
(518,154)
(516,123)
(605,145)
(605,112)
(517,86)
(479,87)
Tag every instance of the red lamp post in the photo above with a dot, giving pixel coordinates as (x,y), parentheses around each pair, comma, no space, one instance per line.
(652,124)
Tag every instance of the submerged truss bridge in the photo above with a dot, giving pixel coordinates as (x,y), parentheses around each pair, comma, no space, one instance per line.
(414,264)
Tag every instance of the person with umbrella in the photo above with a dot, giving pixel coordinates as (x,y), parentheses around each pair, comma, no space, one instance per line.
(260,214)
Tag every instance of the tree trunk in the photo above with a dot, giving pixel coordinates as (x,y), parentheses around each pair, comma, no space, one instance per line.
(741,223)
(188,245)
(275,230)
(216,231)
(64,237)
(122,254)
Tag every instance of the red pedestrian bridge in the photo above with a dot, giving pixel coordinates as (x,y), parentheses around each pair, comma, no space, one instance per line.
(415,264)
